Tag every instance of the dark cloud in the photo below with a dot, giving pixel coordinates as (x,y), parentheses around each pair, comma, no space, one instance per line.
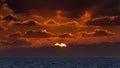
(71,8)
(66,35)
(15,43)
(45,34)
(2,28)
(20,43)
(105,49)
(16,35)
(111,7)
(63,4)
(107,21)
(4,43)
(26,23)
(97,32)
(38,34)
(10,18)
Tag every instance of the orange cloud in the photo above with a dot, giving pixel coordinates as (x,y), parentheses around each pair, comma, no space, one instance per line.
(15,35)
(66,35)
(26,23)
(73,23)
(58,14)
(97,32)
(38,34)
(100,32)
(4,7)
(104,21)
(51,22)
(1,17)
(85,17)
(11,18)
(2,28)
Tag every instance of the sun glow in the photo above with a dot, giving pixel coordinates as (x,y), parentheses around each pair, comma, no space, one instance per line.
(60,44)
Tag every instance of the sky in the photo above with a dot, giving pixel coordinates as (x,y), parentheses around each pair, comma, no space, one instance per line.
(31,28)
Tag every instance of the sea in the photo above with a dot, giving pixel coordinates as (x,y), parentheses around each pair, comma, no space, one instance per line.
(59,62)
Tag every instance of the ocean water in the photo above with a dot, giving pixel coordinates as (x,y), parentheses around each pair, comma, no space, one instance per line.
(59,63)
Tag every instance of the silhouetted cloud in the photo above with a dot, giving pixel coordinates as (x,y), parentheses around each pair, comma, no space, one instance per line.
(105,49)
(108,8)
(16,35)
(45,34)
(26,23)
(38,34)
(71,8)
(97,32)
(4,43)
(19,42)
(2,28)
(10,18)
(107,21)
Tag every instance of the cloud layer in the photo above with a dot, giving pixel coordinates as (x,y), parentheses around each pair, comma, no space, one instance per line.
(72,9)
(107,49)
(38,34)
(10,18)
(97,32)
(105,21)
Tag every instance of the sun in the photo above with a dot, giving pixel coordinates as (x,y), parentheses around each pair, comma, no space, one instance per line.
(60,44)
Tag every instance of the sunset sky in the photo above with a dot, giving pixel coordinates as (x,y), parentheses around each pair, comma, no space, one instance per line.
(31,28)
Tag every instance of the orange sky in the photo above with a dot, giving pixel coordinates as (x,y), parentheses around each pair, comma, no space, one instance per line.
(32,30)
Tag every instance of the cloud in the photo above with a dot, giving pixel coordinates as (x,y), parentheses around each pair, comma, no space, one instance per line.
(105,49)
(97,32)
(85,17)
(66,35)
(108,8)
(1,16)
(4,7)
(4,43)
(10,18)
(73,23)
(46,34)
(16,35)
(2,28)
(60,15)
(51,22)
(105,21)
(38,34)
(17,42)
(20,43)
(26,23)
(73,8)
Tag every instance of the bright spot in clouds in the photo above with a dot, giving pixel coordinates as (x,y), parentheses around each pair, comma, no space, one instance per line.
(60,44)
